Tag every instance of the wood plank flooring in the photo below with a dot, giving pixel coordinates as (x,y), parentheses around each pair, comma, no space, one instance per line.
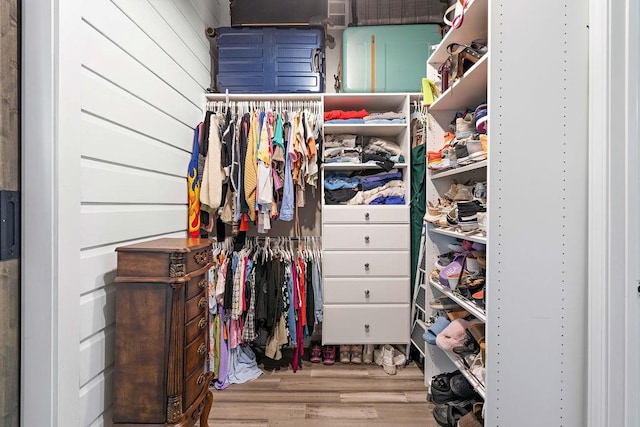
(319,395)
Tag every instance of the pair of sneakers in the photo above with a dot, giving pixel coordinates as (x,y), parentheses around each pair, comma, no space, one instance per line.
(351,354)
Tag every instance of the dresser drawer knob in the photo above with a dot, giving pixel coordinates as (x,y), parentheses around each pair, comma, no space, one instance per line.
(202,303)
(366,239)
(202,283)
(366,293)
(367,216)
(366,266)
(201,349)
(366,327)
(200,379)
(202,323)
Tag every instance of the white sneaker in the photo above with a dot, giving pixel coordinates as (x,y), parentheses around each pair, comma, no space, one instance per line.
(388,364)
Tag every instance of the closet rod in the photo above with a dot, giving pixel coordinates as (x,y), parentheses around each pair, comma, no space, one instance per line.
(263,97)
(274,238)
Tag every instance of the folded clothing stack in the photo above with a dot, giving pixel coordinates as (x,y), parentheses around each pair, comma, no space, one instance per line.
(364,188)
(387,117)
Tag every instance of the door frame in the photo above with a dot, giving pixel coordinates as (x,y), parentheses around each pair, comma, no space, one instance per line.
(613,343)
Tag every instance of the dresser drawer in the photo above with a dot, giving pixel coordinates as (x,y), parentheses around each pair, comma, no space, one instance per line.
(196,285)
(397,214)
(373,290)
(195,355)
(195,327)
(366,237)
(198,258)
(366,263)
(371,324)
(195,306)
(193,385)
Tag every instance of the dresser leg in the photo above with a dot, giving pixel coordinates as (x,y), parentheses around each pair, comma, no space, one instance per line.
(204,416)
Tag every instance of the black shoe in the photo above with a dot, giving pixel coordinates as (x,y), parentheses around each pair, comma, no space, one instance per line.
(461,387)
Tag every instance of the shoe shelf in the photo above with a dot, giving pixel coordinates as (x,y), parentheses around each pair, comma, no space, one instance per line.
(470,306)
(391,129)
(469,90)
(417,336)
(474,26)
(358,166)
(455,171)
(477,385)
(473,236)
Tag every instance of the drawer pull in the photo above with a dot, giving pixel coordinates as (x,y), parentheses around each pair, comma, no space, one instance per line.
(200,379)
(366,266)
(202,283)
(201,349)
(202,303)
(366,327)
(202,323)
(366,239)
(366,293)
(366,216)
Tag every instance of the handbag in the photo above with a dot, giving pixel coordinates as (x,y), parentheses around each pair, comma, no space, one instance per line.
(458,10)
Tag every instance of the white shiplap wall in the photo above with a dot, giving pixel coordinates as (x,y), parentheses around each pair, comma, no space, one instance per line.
(145,65)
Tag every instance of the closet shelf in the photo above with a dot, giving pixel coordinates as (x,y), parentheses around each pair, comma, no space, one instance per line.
(263,96)
(468,91)
(358,166)
(471,307)
(477,385)
(391,129)
(455,171)
(473,236)
(473,27)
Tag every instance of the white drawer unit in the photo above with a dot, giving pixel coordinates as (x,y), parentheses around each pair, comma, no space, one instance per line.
(366,264)
(372,324)
(365,237)
(366,290)
(365,214)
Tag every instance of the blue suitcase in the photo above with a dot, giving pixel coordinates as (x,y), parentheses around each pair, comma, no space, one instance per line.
(270,59)
(387,58)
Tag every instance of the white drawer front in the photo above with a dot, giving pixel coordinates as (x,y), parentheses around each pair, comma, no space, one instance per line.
(366,263)
(372,324)
(398,214)
(366,237)
(367,290)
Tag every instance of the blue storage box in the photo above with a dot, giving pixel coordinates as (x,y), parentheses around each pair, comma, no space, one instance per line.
(270,59)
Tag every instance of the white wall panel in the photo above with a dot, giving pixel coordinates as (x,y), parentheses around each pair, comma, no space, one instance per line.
(95,397)
(103,99)
(119,68)
(537,257)
(101,225)
(115,144)
(141,32)
(106,183)
(96,353)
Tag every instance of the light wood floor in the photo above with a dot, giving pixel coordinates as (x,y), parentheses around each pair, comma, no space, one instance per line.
(318,395)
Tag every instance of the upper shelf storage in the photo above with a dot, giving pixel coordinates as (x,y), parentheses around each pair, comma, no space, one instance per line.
(470,90)
(474,26)
(372,102)
(366,129)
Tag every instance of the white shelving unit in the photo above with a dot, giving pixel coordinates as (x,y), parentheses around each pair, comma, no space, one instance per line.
(467,92)
(366,262)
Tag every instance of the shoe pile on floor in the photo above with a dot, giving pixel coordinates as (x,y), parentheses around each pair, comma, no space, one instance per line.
(456,402)
(466,142)
(387,356)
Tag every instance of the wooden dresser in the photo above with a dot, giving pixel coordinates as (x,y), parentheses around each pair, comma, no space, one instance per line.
(161,350)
